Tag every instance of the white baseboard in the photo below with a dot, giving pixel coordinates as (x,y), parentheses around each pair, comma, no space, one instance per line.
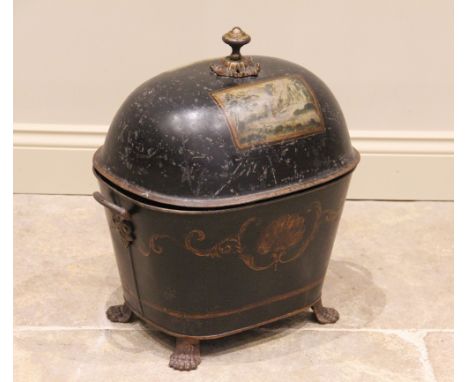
(396,165)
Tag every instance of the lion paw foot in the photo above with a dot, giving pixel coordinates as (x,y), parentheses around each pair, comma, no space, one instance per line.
(325,315)
(186,355)
(119,313)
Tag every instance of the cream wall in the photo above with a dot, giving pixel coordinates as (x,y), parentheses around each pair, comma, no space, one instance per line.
(389,63)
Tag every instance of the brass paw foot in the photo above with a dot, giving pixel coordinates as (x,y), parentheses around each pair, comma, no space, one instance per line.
(186,355)
(119,313)
(325,315)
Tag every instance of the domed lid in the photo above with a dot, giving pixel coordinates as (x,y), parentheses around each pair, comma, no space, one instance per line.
(226,132)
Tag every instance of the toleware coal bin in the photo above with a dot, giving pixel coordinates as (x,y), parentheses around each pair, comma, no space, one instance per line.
(223,183)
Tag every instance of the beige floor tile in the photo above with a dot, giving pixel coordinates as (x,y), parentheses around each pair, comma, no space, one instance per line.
(440,352)
(64,269)
(392,266)
(287,355)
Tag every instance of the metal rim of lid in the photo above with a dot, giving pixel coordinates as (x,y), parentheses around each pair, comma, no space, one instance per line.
(203,203)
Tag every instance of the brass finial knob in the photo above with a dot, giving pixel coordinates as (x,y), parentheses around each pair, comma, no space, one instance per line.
(236,38)
(236,65)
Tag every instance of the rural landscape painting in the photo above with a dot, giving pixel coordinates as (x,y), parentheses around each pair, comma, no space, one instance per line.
(270,111)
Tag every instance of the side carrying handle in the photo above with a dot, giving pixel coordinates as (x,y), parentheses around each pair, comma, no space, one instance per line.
(113,207)
(120,219)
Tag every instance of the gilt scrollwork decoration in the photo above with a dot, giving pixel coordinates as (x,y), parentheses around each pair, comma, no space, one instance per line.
(281,241)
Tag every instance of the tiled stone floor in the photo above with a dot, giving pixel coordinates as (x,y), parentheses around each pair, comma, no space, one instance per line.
(390,277)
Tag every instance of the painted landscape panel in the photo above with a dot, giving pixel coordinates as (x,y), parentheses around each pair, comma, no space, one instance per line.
(270,111)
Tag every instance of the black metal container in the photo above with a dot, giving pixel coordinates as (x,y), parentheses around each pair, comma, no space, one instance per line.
(224,182)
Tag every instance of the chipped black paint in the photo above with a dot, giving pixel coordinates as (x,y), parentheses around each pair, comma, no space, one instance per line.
(171,139)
